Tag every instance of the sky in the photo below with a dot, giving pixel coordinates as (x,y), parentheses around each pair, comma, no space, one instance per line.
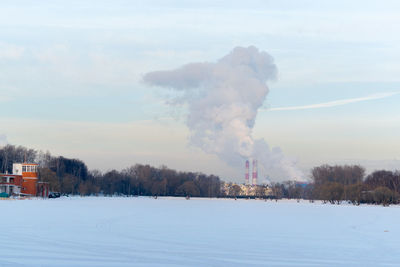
(71,79)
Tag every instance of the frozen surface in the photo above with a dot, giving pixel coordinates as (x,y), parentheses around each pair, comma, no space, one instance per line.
(197,232)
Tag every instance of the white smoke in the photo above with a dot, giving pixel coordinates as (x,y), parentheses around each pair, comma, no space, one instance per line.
(223,99)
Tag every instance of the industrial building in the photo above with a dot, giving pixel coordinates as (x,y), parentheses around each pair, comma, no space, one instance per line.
(246,190)
(23,182)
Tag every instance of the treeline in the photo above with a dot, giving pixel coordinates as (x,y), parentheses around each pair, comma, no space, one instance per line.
(142,180)
(71,176)
(336,184)
(333,184)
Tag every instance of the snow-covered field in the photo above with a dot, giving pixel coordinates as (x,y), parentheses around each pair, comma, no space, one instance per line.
(133,231)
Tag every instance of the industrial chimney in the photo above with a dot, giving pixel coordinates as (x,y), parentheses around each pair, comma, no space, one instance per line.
(247,172)
(255,172)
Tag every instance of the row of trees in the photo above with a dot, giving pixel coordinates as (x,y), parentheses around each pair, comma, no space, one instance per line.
(71,176)
(332,184)
(338,183)
(335,184)
(139,179)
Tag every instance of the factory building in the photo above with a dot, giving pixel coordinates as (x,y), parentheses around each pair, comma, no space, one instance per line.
(23,181)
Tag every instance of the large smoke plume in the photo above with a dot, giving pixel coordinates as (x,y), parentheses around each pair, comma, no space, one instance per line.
(222,100)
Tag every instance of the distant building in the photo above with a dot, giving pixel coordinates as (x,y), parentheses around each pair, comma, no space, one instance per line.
(10,184)
(29,172)
(246,190)
(23,181)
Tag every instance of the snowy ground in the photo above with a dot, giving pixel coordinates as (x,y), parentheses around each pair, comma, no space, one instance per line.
(197,232)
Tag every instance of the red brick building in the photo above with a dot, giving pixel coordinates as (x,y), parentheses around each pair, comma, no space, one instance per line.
(23,181)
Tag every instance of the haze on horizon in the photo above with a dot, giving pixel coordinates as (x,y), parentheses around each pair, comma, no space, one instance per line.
(71,79)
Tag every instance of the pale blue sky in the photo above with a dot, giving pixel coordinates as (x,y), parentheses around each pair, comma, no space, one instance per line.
(70,77)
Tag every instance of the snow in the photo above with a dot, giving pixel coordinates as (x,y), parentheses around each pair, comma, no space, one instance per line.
(100,231)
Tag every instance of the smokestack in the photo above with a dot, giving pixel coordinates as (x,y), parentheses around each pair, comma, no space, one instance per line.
(255,172)
(247,172)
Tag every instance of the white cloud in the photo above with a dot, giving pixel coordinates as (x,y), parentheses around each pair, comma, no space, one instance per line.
(338,102)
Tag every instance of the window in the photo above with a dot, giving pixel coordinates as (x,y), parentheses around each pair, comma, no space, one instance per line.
(23,168)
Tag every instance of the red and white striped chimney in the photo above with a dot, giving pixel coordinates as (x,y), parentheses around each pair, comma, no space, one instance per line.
(255,172)
(247,172)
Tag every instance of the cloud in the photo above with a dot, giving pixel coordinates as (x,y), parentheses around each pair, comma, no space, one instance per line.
(336,103)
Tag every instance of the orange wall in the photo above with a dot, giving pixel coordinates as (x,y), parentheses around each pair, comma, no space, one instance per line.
(29,183)
(29,174)
(29,186)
